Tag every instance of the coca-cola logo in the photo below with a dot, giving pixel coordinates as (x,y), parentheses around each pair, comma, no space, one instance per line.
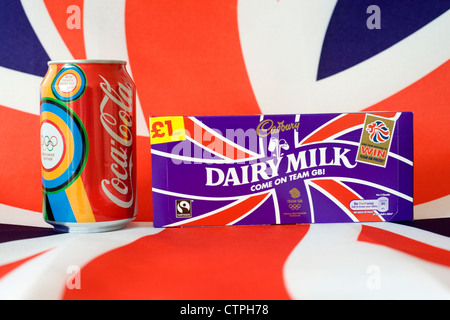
(119,188)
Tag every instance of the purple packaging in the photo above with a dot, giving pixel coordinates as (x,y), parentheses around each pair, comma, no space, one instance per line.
(282,169)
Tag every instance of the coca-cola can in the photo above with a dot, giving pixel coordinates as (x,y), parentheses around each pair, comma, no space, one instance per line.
(88,145)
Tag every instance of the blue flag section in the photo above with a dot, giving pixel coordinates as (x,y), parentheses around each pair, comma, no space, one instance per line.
(359,30)
(21,49)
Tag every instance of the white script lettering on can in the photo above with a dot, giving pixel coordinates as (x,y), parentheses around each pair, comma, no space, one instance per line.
(122,167)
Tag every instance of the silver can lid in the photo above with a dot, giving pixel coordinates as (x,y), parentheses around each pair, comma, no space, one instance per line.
(87,61)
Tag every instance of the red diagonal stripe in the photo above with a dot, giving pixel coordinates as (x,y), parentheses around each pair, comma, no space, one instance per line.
(20,161)
(229,214)
(401,243)
(7,268)
(244,262)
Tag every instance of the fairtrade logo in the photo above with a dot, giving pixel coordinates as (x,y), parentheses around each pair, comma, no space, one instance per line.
(48,143)
(183,208)
(378,131)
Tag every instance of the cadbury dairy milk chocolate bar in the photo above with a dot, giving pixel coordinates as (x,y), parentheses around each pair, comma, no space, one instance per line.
(282,169)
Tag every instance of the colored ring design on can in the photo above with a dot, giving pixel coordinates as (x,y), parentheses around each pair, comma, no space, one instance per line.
(69,84)
(70,162)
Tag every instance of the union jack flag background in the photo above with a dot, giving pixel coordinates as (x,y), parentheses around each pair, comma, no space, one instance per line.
(223,58)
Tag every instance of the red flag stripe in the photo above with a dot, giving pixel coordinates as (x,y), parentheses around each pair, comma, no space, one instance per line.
(7,268)
(65,16)
(194,263)
(179,66)
(20,166)
(404,244)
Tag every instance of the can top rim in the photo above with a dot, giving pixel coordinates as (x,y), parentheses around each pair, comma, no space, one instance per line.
(88,61)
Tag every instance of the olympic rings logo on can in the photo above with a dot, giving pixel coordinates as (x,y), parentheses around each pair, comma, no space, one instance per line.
(48,143)
(61,166)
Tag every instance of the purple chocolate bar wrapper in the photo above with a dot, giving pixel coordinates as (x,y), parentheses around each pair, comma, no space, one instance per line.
(282,169)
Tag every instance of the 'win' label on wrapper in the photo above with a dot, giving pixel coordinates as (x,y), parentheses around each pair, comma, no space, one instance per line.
(376,140)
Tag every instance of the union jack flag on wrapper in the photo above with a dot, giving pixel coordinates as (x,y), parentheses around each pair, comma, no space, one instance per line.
(252,57)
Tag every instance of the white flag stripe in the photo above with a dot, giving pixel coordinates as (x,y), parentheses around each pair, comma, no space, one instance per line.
(10,81)
(45,30)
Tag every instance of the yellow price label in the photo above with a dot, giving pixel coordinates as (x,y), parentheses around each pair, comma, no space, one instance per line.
(166,129)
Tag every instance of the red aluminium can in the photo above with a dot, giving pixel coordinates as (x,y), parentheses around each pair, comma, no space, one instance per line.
(88,149)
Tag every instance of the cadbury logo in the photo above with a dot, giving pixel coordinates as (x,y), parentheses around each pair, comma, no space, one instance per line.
(118,189)
(267,127)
